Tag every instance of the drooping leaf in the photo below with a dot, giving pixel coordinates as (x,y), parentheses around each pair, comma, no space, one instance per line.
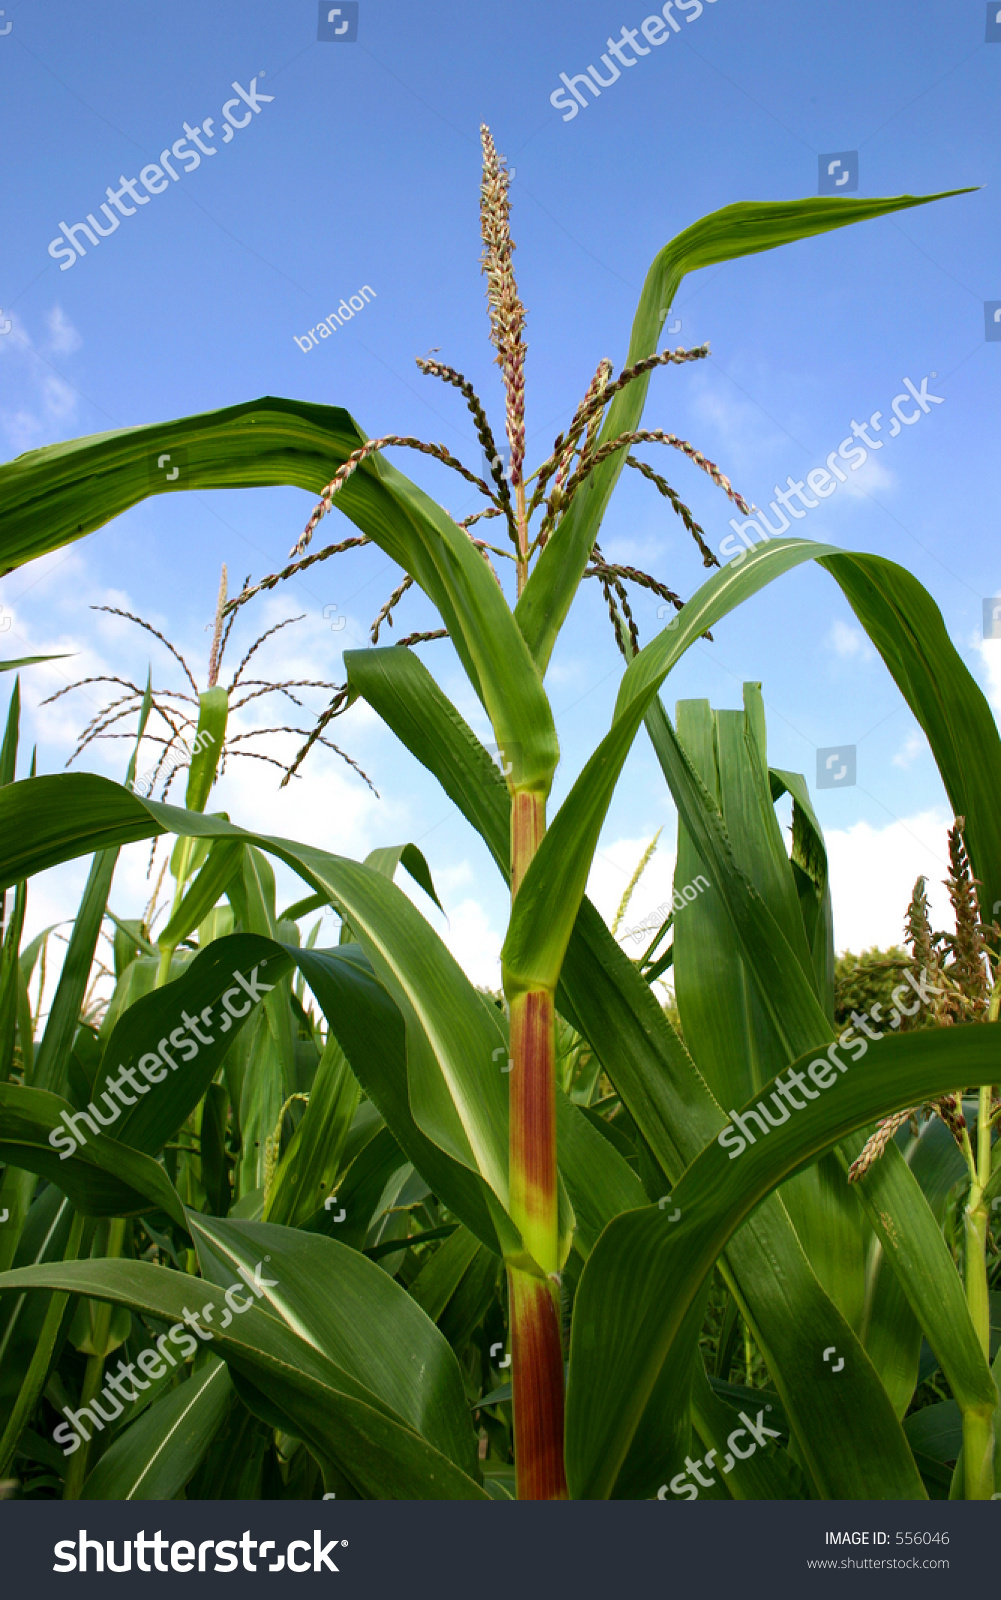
(906,627)
(101,1176)
(369,1028)
(387,859)
(52,496)
(454,1040)
(736,230)
(337,1415)
(342,1306)
(172,1042)
(154,1459)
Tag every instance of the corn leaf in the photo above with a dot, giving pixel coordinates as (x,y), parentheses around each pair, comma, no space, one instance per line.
(737,230)
(602,991)
(457,1090)
(154,1459)
(102,1178)
(645,1271)
(377,1333)
(52,496)
(338,1416)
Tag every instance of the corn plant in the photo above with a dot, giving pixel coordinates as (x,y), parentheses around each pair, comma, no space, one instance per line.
(622,1243)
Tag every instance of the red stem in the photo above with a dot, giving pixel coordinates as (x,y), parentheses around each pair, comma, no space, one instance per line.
(537,1351)
(533,1291)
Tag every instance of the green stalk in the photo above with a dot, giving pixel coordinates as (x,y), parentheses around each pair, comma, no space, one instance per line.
(34,1379)
(94,1371)
(978,1428)
(163,970)
(167,950)
(533,1283)
(213,711)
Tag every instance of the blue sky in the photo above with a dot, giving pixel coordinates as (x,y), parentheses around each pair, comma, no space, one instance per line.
(363,169)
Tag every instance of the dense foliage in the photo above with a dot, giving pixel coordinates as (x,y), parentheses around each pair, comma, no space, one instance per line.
(292,1217)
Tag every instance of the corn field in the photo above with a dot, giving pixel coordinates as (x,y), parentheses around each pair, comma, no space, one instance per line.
(555,1242)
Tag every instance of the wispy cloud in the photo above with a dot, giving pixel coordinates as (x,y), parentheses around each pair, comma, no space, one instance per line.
(913,746)
(63,337)
(990,655)
(847,642)
(39,400)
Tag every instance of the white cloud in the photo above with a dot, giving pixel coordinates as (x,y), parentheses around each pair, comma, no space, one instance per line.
(473,940)
(449,880)
(848,642)
(23,430)
(39,399)
(873,871)
(63,337)
(613,866)
(913,746)
(990,652)
(749,432)
(872,478)
(58,396)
